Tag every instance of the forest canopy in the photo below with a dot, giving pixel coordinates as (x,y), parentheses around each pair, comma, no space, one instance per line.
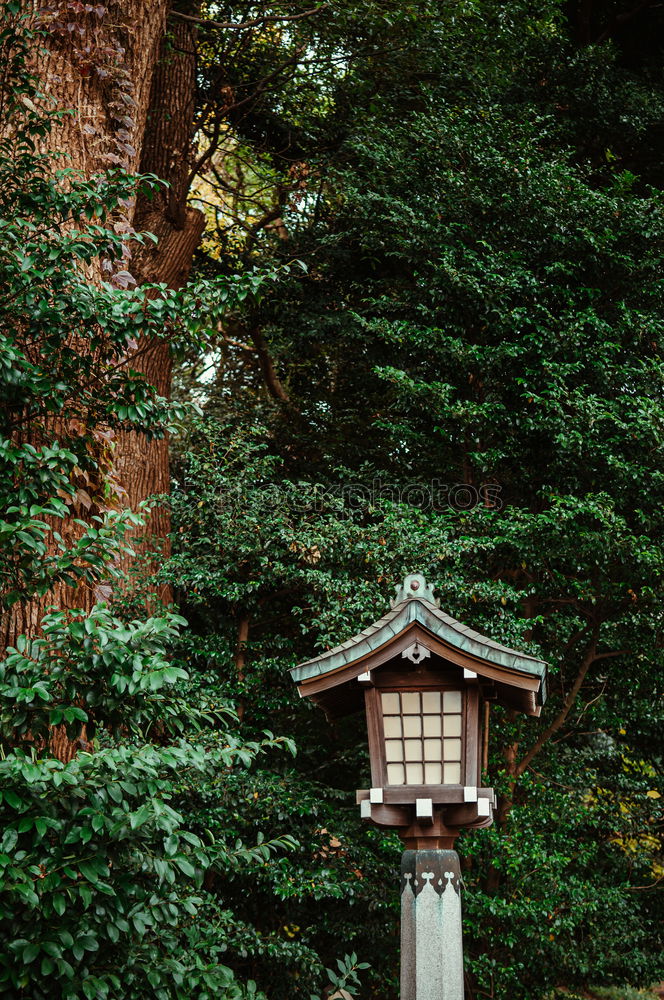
(297,299)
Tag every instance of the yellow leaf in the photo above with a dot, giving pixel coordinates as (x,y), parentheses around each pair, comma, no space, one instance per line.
(653,794)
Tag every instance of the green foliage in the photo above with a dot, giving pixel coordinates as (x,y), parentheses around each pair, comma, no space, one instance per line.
(621,993)
(481,217)
(255,545)
(475,192)
(117,670)
(102,875)
(346,978)
(569,886)
(605,993)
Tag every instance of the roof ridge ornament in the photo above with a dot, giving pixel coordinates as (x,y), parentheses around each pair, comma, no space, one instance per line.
(414,587)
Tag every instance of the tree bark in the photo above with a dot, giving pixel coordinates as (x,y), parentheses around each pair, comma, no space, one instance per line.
(99,65)
(102,70)
(132,99)
(240,659)
(143,465)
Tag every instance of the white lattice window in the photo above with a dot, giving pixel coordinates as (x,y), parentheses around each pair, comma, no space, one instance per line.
(422,737)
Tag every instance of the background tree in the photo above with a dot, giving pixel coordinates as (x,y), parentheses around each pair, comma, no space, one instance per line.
(479,211)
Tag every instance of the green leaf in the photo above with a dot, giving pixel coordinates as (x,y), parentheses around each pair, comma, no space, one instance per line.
(85,893)
(90,870)
(30,953)
(185,866)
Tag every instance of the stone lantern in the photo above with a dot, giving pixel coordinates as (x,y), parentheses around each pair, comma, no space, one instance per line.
(425,680)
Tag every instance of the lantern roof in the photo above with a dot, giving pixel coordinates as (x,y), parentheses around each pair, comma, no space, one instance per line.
(518,679)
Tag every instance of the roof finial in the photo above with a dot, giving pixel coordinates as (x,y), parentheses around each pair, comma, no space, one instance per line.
(415,587)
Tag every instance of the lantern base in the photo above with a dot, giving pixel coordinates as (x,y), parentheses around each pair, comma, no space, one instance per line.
(431,939)
(425,823)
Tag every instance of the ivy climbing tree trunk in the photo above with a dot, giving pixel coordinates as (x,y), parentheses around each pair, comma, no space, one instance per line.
(98,67)
(130,101)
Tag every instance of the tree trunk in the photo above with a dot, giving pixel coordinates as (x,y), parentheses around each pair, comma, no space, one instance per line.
(143,464)
(133,104)
(505,804)
(109,82)
(100,65)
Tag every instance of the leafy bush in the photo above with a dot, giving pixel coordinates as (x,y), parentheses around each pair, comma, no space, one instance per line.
(101,872)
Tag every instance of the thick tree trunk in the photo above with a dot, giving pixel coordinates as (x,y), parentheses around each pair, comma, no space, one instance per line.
(133,103)
(100,65)
(167,152)
(102,71)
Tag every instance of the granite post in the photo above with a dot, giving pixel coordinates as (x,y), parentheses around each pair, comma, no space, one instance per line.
(431,942)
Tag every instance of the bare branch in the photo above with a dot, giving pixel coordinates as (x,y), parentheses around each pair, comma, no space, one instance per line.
(260,85)
(229,109)
(643,888)
(232,342)
(270,377)
(592,656)
(241,25)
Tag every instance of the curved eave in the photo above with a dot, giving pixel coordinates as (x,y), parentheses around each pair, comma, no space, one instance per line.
(346,661)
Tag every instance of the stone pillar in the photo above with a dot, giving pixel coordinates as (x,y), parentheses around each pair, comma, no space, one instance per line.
(431,944)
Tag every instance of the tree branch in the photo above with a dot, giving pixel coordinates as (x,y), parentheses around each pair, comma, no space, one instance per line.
(591,657)
(240,659)
(260,85)
(232,342)
(241,25)
(270,377)
(229,111)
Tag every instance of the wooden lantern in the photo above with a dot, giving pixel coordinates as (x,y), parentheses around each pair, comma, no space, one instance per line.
(424,680)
